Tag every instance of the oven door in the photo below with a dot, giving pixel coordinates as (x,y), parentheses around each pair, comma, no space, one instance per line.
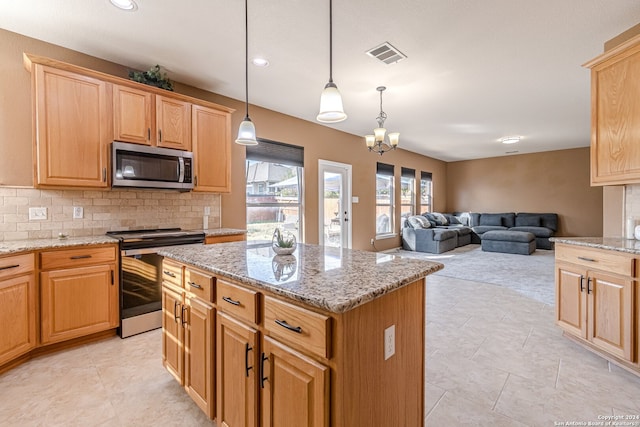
(140,291)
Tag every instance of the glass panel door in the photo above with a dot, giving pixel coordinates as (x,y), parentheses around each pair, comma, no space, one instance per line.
(335,206)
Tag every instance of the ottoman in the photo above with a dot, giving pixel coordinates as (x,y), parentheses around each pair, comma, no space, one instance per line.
(509,242)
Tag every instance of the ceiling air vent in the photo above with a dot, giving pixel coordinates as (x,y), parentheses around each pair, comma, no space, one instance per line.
(386,53)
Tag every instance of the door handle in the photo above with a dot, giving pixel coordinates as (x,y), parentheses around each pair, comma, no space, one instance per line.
(175,311)
(184,318)
(263,378)
(247,368)
(589,288)
(581,283)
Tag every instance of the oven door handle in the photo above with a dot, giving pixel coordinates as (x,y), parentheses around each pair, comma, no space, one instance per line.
(132,252)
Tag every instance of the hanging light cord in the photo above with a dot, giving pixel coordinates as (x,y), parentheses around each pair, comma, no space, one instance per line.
(383,116)
(246,61)
(330,41)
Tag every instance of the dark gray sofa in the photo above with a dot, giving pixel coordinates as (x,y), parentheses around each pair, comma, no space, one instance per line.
(437,238)
(541,225)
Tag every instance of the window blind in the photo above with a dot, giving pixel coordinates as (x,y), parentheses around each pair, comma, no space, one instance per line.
(276,152)
(426,176)
(408,173)
(384,169)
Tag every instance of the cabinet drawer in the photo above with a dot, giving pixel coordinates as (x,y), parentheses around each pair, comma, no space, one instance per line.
(609,261)
(70,258)
(298,326)
(172,272)
(16,264)
(199,284)
(240,302)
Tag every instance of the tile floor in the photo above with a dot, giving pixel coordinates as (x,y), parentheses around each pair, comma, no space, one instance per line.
(494,358)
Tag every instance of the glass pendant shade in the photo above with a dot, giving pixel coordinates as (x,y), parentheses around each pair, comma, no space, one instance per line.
(379,133)
(331,110)
(370,140)
(394,138)
(247,133)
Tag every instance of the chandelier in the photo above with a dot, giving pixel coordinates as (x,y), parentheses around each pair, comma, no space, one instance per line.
(380,141)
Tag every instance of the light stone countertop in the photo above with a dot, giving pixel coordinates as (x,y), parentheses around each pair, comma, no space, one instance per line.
(328,278)
(9,247)
(619,244)
(16,246)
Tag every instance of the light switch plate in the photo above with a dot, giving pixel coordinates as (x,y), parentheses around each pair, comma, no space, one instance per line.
(389,341)
(37,214)
(207,210)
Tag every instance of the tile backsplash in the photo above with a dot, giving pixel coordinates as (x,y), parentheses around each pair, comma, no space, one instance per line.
(103,211)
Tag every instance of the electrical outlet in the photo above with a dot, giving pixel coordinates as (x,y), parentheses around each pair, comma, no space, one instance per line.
(389,341)
(372,242)
(78,212)
(37,213)
(207,210)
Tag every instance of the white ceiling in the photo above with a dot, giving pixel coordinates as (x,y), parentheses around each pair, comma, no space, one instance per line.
(477,70)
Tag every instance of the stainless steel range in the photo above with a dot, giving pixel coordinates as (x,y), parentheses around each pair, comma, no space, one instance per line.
(141,275)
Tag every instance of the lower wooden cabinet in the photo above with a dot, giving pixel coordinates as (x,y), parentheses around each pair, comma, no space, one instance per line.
(295,388)
(18,307)
(188,340)
(238,359)
(595,305)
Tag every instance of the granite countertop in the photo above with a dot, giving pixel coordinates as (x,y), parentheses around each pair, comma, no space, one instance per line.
(16,246)
(328,278)
(619,244)
(222,231)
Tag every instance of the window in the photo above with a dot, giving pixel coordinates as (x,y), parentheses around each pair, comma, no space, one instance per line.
(426,197)
(273,189)
(407,192)
(384,199)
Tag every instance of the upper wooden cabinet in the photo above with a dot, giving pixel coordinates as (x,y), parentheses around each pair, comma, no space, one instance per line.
(132,115)
(211,137)
(144,118)
(78,112)
(72,123)
(615,115)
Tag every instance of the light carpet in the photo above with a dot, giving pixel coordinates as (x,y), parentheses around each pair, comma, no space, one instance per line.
(530,275)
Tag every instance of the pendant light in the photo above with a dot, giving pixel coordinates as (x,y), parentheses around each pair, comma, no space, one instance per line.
(331,110)
(247,131)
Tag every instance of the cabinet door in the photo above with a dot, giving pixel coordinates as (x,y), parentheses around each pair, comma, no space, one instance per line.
(571,306)
(132,115)
(173,119)
(610,316)
(72,129)
(296,391)
(172,333)
(615,116)
(78,302)
(17,316)
(237,369)
(211,137)
(199,339)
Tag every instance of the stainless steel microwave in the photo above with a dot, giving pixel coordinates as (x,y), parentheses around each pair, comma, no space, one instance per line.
(141,166)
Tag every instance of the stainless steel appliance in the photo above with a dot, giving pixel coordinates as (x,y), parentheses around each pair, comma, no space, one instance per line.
(141,275)
(135,165)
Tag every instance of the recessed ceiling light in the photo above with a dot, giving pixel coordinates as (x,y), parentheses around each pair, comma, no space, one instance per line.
(260,62)
(128,5)
(510,139)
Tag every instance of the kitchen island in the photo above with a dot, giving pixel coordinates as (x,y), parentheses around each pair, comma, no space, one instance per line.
(321,337)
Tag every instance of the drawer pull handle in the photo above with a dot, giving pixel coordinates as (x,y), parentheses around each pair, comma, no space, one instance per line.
(81,257)
(9,266)
(247,349)
(195,285)
(168,273)
(230,301)
(586,259)
(263,378)
(284,324)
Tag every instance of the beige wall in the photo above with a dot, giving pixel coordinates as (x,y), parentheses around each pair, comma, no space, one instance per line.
(554,181)
(319,142)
